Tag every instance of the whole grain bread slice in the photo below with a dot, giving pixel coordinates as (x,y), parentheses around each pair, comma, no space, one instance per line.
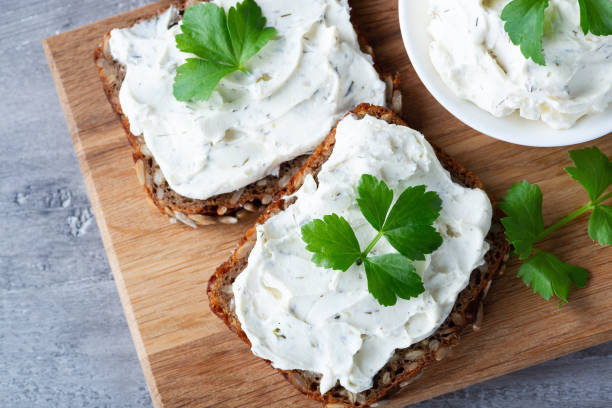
(406,364)
(224,208)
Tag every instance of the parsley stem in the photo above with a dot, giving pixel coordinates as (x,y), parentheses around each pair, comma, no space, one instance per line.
(374,241)
(565,220)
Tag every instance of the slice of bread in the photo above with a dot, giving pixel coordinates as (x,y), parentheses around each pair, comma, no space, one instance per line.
(224,208)
(406,364)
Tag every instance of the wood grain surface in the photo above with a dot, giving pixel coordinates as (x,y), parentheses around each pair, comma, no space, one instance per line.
(188,356)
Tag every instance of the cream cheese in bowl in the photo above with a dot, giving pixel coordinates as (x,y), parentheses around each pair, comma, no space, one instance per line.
(415,20)
(477,61)
(298,86)
(302,316)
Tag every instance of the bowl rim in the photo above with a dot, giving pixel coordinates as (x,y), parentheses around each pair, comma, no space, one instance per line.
(512,129)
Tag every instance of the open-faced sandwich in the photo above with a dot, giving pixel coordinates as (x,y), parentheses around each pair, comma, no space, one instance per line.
(376,255)
(258,87)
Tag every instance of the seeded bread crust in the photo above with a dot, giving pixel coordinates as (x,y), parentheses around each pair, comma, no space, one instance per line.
(224,208)
(406,364)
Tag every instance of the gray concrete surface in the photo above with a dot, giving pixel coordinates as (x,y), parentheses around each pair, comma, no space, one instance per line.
(63,337)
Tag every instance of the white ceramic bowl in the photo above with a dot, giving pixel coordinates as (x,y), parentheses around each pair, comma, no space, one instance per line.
(414,18)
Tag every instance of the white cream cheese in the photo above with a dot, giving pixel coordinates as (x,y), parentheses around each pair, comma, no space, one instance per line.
(299,85)
(478,62)
(301,316)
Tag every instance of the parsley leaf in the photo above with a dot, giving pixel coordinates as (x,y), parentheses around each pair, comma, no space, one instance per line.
(332,242)
(205,34)
(596,16)
(409,226)
(197,78)
(374,200)
(525,226)
(525,26)
(223,43)
(391,276)
(248,31)
(524,222)
(600,225)
(593,170)
(548,275)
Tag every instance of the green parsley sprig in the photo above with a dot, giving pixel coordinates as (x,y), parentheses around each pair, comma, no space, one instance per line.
(223,42)
(525,23)
(524,225)
(408,227)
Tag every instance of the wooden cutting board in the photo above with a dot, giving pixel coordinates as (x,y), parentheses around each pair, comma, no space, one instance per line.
(189,357)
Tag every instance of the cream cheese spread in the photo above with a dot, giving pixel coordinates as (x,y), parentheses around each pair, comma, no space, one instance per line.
(478,62)
(301,316)
(299,85)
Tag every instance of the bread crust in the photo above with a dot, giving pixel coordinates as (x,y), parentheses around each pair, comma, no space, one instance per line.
(406,364)
(224,208)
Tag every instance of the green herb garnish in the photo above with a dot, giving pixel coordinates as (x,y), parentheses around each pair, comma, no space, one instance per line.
(223,43)
(596,16)
(407,226)
(524,224)
(525,23)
